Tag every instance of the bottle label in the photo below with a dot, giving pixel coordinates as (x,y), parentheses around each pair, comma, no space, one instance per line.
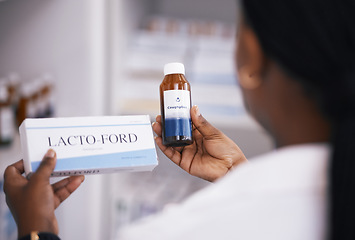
(6,124)
(177,113)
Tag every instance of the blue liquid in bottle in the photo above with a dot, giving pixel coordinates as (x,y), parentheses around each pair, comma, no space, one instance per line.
(175,99)
(178,127)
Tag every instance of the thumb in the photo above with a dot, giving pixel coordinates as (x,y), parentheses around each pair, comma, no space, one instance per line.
(203,126)
(47,165)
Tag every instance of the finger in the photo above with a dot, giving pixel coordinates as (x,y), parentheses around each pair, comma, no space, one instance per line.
(63,182)
(18,167)
(157,128)
(47,165)
(179,149)
(188,156)
(170,152)
(202,125)
(64,188)
(198,138)
(13,174)
(158,119)
(14,171)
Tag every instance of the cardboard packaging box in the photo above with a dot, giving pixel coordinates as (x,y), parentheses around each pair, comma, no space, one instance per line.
(90,145)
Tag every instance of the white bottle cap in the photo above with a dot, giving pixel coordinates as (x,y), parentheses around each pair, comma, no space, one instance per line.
(174,68)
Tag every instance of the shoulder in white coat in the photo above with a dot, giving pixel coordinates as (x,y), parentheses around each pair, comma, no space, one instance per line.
(280,195)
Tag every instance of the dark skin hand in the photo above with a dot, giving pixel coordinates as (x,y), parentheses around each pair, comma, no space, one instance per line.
(212,153)
(32,202)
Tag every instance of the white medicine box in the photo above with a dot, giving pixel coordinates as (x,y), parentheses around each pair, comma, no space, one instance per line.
(90,145)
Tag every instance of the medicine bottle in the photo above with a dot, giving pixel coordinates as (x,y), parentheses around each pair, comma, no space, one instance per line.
(48,94)
(6,116)
(26,107)
(13,87)
(175,105)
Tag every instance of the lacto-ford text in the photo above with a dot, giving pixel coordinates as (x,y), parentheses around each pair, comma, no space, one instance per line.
(75,140)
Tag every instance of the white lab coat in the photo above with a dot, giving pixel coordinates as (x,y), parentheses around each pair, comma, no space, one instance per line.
(280,195)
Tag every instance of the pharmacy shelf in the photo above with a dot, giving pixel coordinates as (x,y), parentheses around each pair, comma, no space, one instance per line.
(220,104)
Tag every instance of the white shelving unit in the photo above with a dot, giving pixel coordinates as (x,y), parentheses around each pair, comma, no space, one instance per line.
(68,39)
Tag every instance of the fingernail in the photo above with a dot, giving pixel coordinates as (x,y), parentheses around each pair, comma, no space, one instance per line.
(197,111)
(153,124)
(50,153)
(82,178)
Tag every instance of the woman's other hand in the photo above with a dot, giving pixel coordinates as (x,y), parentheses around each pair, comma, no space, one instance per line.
(212,153)
(32,202)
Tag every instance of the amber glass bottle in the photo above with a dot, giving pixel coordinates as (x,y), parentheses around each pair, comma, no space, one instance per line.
(175,105)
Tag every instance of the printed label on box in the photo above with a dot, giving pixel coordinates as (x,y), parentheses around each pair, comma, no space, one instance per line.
(90,145)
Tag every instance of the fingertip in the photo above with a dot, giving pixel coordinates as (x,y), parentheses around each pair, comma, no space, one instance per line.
(157,128)
(18,166)
(50,153)
(47,165)
(12,172)
(155,125)
(196,115)
(50,157)
(80,178)
(76,180)
(196,110)
(159,141)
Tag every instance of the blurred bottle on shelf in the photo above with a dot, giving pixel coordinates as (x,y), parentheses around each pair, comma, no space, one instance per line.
(47,95)
(26,104)
(23,99)
(36,98)
(172,26)
(14,80)
(6,115)
(192,28)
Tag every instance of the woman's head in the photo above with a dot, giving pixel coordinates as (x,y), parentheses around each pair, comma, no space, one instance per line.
(313,42)
(306,49)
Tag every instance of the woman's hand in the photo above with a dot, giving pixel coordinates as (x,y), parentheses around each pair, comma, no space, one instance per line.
(212,153)
(32,202)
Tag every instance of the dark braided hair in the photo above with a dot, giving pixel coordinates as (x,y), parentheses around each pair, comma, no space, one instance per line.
(314,41)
